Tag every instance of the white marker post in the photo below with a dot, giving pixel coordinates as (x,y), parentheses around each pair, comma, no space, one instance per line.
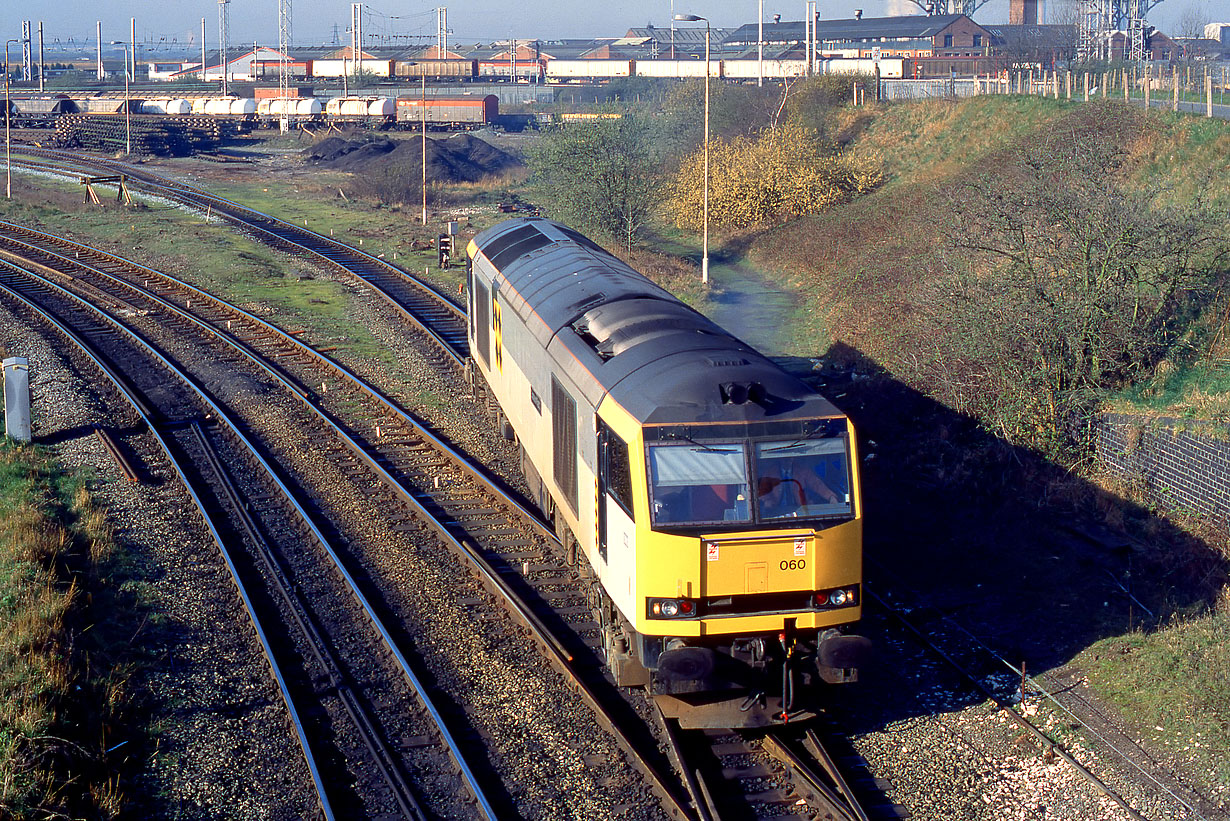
(17,398)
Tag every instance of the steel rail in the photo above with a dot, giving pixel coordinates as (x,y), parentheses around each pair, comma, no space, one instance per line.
(451,744)
(262,635)
(834,798)
(465,547)
(1003,707)
(476,472)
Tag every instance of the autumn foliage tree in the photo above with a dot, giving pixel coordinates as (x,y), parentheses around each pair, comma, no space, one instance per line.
(783,173)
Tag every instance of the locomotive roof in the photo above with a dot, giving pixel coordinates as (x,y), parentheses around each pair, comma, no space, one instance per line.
(613,330)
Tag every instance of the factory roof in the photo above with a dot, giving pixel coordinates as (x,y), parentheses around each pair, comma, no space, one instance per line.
(852,30)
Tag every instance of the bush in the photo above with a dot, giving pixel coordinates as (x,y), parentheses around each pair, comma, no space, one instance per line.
(784,173)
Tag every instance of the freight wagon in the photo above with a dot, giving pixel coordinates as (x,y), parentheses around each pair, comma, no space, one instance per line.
(563,71)
(441,113)
(437,69)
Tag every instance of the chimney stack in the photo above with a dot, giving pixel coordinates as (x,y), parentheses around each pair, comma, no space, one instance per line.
(1023,12)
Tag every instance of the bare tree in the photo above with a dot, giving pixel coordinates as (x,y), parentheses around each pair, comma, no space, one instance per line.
(1192,20)
(1064,283)
(603,174)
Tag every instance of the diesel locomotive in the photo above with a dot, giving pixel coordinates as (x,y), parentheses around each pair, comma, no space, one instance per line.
(713,497)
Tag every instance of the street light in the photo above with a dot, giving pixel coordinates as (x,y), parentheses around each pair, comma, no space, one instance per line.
(423,121)
(8,140)
(704,259)
(127,102)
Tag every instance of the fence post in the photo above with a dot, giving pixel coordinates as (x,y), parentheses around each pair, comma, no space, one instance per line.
(1148,82)
(1175,105)
(1208,94)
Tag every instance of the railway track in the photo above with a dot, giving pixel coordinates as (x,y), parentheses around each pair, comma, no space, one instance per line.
(1020,699)
(419,480)
(788,772)
(428,310)
(524,562)
(257,522)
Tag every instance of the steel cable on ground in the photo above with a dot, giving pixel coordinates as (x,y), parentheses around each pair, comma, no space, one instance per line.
(1076,765)
(1042,690)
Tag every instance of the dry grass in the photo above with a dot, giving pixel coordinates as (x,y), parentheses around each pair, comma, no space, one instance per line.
(53,544)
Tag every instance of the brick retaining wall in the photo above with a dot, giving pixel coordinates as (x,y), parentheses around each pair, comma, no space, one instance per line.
(1184,464)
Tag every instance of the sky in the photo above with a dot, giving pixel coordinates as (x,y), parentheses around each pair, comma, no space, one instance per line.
(469,21)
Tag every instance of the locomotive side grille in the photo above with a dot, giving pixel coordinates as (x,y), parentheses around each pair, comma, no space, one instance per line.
(564,426)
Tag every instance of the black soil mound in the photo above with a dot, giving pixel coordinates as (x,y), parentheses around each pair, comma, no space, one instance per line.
(460,158)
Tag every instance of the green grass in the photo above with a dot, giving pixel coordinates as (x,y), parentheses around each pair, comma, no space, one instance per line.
(1174,686)
(65,636)
(281,289)
(1197,391)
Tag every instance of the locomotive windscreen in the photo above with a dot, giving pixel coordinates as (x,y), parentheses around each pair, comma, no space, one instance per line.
(714,484)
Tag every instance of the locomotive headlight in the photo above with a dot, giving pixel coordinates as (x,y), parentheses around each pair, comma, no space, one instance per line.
(841,597)
(672,608)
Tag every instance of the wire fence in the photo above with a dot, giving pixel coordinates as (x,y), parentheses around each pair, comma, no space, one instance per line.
(1198,92)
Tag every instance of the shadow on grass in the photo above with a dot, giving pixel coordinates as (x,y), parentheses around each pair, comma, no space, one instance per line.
(1033,560)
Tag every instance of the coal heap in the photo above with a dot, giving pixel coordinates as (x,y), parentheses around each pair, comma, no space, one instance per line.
(460,158)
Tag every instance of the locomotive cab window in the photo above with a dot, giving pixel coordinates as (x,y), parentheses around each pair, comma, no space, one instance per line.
(803,478)
(616,469)
(699,484)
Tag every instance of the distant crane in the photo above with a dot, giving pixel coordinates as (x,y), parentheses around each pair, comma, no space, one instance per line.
(1099,18)
(284,21)
(942,7)
(223,23)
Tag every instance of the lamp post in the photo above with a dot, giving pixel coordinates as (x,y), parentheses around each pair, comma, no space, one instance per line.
(127,102)
(8,140)
(704,259)
(423,122)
